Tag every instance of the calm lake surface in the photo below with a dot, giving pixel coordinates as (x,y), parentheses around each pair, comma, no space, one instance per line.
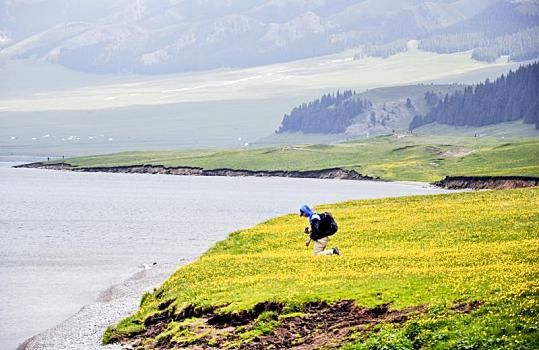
(65,237)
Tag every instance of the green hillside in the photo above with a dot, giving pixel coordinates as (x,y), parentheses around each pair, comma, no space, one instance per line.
(404,157)
(456,271)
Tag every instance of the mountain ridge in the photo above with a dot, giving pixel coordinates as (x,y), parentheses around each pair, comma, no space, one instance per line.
(154,37)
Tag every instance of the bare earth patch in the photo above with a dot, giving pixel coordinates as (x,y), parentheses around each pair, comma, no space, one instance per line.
(317,325)
(457,153)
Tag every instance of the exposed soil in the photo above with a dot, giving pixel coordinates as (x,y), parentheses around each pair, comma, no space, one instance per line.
(318,325)
(328,326)
(463,307)
(329,173)
(449,182)
(487,182)
(457,153)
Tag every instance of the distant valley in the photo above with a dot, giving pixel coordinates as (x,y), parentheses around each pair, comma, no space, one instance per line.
(106,76)
(86,114)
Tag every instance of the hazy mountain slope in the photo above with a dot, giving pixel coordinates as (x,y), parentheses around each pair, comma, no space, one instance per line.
(162,36)
(506,28)
(500,18)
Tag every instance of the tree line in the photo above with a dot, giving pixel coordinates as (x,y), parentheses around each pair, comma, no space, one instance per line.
(520,46)
(383,50)
(508,98)
(329,114)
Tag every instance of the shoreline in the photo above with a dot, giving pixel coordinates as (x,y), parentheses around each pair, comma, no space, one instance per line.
(84,329)
(449,182)
(328,173)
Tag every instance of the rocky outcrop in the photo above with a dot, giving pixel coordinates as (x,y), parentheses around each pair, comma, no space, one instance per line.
(487,182)
(330,173)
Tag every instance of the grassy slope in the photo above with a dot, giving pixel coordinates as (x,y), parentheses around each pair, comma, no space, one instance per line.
(415,158)
(408,251)
(509,129)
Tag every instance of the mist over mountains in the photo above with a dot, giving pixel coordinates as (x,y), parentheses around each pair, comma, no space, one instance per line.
(165,36)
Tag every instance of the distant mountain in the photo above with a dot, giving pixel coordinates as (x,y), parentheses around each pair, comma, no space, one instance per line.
(508,98)
(161,36)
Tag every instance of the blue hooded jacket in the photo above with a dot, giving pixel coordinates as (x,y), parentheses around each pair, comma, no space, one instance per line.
(309,212)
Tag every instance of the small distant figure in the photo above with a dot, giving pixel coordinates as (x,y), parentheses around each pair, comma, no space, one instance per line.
(62,157)
(147,266)
(48,159)
(322,226)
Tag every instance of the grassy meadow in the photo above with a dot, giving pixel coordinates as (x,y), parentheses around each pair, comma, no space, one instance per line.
(409,157)
(429,251)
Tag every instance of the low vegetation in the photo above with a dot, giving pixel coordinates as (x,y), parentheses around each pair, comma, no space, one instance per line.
(446,271)
(402,157)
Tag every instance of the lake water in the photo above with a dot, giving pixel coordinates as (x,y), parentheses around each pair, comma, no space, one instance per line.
(65,236)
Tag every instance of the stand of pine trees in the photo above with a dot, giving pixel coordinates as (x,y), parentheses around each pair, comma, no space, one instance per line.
(329,114)
(508,98)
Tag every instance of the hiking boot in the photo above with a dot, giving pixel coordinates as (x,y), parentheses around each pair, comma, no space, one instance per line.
(336,251)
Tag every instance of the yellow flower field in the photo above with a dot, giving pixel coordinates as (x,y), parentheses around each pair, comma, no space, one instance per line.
(422,250)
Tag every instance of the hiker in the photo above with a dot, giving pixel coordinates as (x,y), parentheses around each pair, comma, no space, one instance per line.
(322,226)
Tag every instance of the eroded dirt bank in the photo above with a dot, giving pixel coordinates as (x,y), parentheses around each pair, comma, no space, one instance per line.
(330,173)
(449,182)
(316,325)
(487,182)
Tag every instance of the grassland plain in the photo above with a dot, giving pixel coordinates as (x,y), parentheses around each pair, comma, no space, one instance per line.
(403,157)
(456,271)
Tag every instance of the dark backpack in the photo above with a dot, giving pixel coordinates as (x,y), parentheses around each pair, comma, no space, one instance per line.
(327,224)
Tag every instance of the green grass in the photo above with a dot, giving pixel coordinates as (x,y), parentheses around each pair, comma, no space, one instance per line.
(510,323)
(508,129)
(412,158)
(421,250)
